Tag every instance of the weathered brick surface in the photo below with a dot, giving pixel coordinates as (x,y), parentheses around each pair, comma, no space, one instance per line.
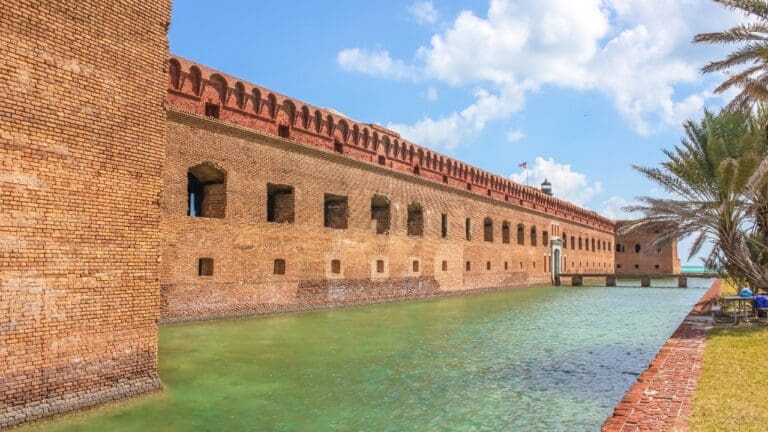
(82,131)
(661,398)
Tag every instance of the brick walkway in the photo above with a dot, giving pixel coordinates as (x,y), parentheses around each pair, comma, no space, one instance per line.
(661,398)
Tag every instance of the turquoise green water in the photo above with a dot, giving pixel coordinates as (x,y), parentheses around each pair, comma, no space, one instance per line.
(693,269)
(550,359)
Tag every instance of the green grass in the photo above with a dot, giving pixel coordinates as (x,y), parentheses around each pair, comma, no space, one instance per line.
(732,394)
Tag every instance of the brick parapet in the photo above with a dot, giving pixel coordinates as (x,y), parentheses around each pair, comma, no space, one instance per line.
(191,87)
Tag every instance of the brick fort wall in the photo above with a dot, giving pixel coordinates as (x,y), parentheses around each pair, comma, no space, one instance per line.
(291,214)
(81,150)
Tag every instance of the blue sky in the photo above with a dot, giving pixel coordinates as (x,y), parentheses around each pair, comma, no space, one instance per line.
(580,89)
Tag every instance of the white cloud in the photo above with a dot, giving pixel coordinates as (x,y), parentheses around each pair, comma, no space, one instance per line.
(566,184)
(636,52)
(515,135)
(424,12)
(613,208)
(451,130)
(376,63)
(432,95)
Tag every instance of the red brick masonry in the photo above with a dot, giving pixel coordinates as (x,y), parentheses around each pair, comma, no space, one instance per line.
(661,398)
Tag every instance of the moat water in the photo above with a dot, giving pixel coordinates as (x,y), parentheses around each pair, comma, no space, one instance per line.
(535,359)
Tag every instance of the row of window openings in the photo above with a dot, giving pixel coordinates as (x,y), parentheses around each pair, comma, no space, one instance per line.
(621,248)
(207,198)
(205,266)
(637,266)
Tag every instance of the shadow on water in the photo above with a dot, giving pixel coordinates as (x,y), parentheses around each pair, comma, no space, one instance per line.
(529,359)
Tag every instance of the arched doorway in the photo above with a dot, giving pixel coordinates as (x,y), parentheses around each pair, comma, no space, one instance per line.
(556,261)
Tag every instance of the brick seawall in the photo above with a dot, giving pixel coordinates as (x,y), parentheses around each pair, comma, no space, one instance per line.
(661,398)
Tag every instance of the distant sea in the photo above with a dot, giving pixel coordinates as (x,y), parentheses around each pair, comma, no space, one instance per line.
(693,269)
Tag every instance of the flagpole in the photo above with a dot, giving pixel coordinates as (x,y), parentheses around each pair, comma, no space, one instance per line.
(524,165)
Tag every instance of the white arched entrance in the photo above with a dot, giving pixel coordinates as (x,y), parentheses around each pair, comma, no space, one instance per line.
(556,257)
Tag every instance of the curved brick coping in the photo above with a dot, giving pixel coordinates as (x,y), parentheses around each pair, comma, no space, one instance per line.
(282,309)
(661,398)
(49,408)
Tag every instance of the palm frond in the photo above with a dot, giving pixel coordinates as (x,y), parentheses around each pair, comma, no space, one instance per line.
(749,32)
(754,52)
(757,8)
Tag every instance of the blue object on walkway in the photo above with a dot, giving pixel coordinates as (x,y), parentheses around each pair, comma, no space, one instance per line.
(761,302)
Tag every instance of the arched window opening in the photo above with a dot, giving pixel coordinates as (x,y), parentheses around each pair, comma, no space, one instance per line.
(343,131)
(195,76)
(206,191)
(534,237)
(488,230)
(290,111)
(220,85)
(318,121)
(505,234)
(240,95)
(637,248)
(415,220)
(305,117)
(256,99)
(272,108)
(521,234)
(565,241)
(381,214)
(545,238)
(329,124)
(174,73)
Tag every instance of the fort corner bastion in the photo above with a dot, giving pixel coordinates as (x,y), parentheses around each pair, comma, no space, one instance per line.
(82,144)
(139,189)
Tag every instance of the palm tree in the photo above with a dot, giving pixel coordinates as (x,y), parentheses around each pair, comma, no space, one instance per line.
(719,195)
(751,57)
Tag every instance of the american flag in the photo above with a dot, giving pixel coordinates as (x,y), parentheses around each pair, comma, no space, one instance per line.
(523,165)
